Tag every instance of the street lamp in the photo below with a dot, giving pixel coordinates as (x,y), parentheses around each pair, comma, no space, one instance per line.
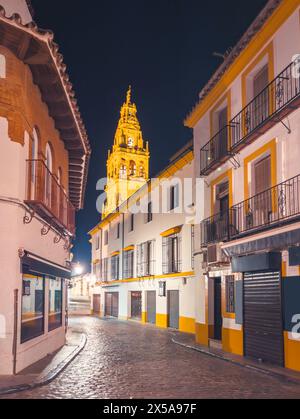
(78,270)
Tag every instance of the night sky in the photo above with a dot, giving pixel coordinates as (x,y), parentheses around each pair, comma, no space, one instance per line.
(164,48)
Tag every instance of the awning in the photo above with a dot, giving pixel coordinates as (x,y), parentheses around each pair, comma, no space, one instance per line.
(276,242)
(31,263)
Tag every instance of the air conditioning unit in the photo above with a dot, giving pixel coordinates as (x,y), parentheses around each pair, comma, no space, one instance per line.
(215,255)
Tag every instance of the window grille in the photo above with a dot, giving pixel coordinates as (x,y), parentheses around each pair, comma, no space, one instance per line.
(172,262)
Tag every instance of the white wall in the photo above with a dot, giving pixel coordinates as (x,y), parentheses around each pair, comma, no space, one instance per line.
(17,6)
(14,235)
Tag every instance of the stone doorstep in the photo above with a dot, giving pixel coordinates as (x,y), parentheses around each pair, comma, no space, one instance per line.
(188,341)
(45,370)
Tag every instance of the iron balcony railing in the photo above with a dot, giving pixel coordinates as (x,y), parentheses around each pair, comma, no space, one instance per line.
(215,151)
(273,207)
(270,102)
(273,103)
(47,197)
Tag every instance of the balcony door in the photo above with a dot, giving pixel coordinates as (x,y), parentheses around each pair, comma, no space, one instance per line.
(262,202)
(261,97)
(223,133)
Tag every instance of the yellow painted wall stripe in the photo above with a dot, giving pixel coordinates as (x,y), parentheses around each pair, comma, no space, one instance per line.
(149,278)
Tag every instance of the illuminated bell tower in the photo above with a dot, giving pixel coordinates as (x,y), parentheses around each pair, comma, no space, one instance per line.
(128,162)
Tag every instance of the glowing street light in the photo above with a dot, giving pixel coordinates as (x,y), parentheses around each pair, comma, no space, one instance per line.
(78,270)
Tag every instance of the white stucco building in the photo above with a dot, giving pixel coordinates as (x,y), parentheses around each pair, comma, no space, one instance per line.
(246,141)
(143,254)
(42,184)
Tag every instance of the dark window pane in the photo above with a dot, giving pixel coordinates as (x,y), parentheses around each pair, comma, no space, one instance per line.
(33,303)
(55,303)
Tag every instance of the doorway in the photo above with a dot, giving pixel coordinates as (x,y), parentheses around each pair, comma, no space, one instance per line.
(218,321)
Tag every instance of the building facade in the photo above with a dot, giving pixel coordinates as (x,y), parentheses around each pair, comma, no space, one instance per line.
(246,141)
(142,253)
(43,167)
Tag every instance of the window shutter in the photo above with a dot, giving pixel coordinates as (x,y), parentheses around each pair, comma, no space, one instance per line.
(262,173)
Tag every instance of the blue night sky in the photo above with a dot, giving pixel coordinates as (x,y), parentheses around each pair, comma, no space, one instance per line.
(163,48)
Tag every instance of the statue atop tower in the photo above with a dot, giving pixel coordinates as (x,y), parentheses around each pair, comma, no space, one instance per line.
(128,162)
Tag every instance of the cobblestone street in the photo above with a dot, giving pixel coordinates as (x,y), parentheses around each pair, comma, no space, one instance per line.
(127,360)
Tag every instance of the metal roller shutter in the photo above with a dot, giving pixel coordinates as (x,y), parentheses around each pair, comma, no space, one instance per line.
(263,325)
(151,307)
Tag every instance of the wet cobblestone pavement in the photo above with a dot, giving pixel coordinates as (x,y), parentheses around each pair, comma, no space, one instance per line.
(127,360)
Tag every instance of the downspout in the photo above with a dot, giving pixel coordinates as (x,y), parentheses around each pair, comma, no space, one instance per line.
(123,245)
(15,335)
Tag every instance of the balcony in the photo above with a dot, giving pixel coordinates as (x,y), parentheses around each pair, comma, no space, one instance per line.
(273,104)
(272,208)
(46,197)
(215,152)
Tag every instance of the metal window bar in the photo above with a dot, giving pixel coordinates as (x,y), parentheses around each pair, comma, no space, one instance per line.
(230,294)
(171,248)
(105,264)
(146,259)
(115,262)
(128,264)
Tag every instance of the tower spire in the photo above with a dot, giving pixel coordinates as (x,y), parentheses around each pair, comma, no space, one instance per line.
(128,97)
(128,162)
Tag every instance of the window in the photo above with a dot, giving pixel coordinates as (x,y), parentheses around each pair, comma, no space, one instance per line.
(146,259)
(172,254)
(2,66)
(33,307)
(132,168)
(128,264)
(97,242)
(48,176)
(105,262)
(115,261)
(35,165)
(123,171)
(131,223)
(97,270)
(55,303)
(142,171)
(230,294)
(149,217)
(174,197)
(106,238)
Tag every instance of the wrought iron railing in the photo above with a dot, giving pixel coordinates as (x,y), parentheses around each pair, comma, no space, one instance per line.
(47,197)
(215,150)
(269,103)
(172,248)
(270,208)
(279,93)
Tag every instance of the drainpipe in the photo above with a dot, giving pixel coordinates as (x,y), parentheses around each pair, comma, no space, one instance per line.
(123,244)
(15,335)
